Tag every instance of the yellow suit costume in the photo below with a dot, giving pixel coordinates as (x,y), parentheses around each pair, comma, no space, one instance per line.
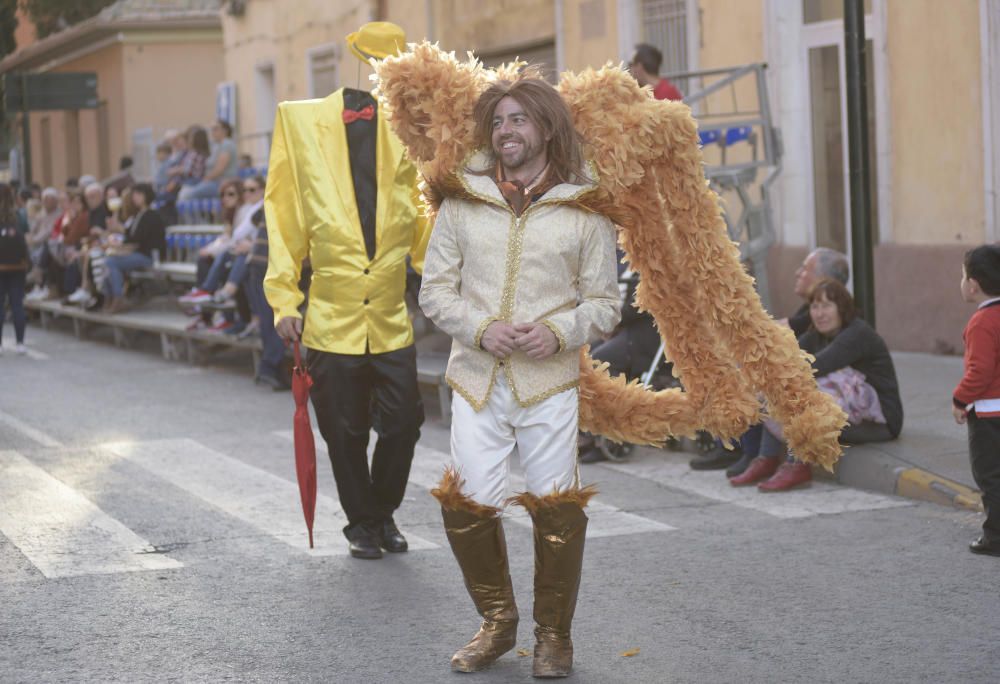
(311,212)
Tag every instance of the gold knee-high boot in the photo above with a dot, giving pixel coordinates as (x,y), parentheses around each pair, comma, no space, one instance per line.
(477,540)
(560,527)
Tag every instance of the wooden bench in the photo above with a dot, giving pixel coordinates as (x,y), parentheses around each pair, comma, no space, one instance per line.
(161,318)
(158,318)
(179,264)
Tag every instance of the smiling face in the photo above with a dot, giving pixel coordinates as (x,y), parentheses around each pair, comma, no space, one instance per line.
(517,142)
(825,316)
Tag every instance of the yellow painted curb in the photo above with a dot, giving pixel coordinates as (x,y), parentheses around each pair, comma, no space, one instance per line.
(916,483)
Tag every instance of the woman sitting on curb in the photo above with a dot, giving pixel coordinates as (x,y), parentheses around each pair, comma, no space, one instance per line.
(853,364)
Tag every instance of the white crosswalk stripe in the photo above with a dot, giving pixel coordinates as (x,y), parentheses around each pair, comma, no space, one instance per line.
(605,520)
(63,533)
(28,431)
(820,498)
(265,501)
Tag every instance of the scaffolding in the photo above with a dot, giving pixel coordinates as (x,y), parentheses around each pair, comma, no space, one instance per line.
(740,143)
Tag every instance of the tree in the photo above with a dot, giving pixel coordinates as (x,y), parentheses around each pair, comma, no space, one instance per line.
(8,25)
(50,16)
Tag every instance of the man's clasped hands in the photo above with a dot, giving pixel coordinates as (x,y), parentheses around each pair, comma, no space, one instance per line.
(535,339)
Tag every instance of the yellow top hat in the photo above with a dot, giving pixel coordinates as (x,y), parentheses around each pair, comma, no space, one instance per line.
(377,40)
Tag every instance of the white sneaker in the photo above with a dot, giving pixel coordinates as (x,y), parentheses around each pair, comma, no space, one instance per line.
(37,293)
(79,297)
(20,348)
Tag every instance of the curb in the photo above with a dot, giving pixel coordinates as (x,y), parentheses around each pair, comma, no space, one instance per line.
(868,468)
(917,483)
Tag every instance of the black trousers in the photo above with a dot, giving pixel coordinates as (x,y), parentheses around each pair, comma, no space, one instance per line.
(351,394)
(984,452)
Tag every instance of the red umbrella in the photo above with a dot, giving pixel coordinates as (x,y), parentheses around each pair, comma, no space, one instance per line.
(305,445)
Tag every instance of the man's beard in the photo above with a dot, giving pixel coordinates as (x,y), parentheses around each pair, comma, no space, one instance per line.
(527,153)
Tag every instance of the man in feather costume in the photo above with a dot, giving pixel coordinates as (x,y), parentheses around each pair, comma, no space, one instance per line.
(520,272)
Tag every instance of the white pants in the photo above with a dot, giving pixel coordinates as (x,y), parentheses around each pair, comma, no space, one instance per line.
(544,434)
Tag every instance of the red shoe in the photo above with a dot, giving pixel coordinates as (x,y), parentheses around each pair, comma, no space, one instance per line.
(759,469)
(789,476)
(221,327)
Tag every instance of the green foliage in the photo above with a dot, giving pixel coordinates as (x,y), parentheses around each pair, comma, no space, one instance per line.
(50,16)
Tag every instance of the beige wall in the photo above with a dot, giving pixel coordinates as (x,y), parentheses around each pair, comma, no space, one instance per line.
(170,84)
(490,26)
(590,30)
(413,15)
(281,34)
(937,132)
(107,64)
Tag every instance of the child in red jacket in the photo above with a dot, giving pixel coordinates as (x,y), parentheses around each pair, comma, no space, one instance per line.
(977,397)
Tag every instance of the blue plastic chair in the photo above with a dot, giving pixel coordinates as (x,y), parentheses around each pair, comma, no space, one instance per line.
(709,137)
(738,134)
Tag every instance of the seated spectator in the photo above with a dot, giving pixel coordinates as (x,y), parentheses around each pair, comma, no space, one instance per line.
(13,266)
(97,222)
(246,162)
(190,167)
(231,264)
(97,207)
(162,167)
(269,370)
(221,164)
(96,245)
(40,230)
(629,351)
(61,248)
(148,235)
(852,364)
(819,264)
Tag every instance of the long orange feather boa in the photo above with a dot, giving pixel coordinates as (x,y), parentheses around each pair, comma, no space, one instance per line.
(727,350)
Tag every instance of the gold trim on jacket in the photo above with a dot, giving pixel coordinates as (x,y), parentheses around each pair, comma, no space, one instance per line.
(355,303)
(557,268)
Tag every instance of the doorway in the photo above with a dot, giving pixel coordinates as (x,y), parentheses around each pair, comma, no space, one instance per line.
(829,196)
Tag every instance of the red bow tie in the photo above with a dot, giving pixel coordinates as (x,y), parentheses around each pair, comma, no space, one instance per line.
(351,116)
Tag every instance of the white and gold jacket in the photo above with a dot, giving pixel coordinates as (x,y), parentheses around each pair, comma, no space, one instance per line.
(554,264)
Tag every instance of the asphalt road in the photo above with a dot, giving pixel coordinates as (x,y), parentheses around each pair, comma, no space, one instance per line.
(150,531)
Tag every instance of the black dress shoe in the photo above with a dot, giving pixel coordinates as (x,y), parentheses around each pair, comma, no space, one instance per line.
(738,467)
(984,548)
(715,459)
(363,543)
(391,539)
(276,384)
(593,455)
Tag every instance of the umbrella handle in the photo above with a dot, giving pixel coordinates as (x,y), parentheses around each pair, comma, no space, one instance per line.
(298,356)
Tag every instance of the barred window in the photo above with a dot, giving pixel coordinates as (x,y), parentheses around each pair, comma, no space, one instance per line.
(664,26)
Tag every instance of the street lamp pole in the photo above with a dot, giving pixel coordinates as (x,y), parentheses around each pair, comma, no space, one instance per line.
(860,170)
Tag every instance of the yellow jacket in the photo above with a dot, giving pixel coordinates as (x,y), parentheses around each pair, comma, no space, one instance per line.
(311,212)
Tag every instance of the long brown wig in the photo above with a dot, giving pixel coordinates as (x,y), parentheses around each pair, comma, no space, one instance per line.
(229,214)
(547,110)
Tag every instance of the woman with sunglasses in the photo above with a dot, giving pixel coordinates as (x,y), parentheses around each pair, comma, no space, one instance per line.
(229,265)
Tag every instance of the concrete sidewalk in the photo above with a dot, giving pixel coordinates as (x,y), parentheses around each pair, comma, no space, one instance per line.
(930,460)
